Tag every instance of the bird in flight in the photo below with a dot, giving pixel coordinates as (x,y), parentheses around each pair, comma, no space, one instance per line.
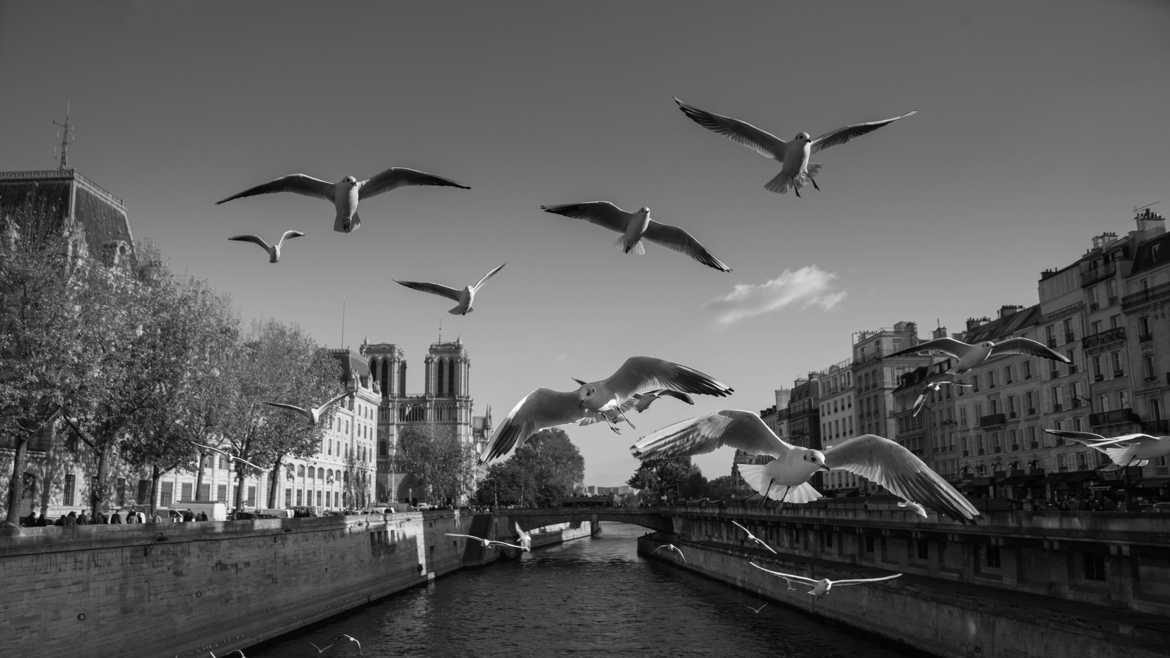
(754,538)
(347,192)
(525,538)
(794,156)
(636,226)
(756,610)
(934,387)
(313,414)
(487,543)
(1123,450)
(272,249)
(545,408)
(239,651)
(786,477)
(913,507)
(639,402)
(340,636)
(967,356)
(673,548)
(822,586)
(226,454)
(465,297)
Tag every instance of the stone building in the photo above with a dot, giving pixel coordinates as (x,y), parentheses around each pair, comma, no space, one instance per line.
(875,375)
(836,420)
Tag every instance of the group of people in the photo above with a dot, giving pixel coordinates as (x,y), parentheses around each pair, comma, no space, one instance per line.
(114,518)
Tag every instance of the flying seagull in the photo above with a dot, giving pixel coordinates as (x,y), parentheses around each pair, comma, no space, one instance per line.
(239,651)
(671,547)
(273,249)
(465,297)
(639,402)
(636,226)
(545,408)
(794,155)
(525,538)
(340,636)
(346,193)
(968,356)
(821,587)
(226,454)
(1124,450)
(487,543)
(786,477)
(756,610)
(934,387)
(914,507)
(314,414)
(754,538)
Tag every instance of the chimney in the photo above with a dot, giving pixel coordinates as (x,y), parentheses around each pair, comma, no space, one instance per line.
(1009,309)
(1149,224)
(940,332)
(972,323)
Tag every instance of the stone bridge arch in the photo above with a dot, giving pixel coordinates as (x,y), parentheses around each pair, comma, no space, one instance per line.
(535,518)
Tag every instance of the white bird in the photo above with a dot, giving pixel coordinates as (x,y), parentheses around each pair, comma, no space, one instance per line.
(239,651)
(870,456)
(822,586)
(754,538)
(671,547)
(545,408)
(314,414)
(914,507)
(525,538)
(487,543)
(794,155)
(272,249)
(347,192)
(226,454)
(640,402)
(756,610)
(934,387)
(1123,450)
(636,226)
(968,356)
(465,297)
(340,636)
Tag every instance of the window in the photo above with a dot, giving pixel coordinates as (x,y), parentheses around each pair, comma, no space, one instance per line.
(1118,369)
(251,500)
(1007,374)
(205,491)
(300,497)
(166,495)
(1095,327)
(1114,320)
(1094,566)
(991,553)
(185,491)
(1027,367)
(1144,327)
(923,549)
(221,493)
(288,498)
(70,487)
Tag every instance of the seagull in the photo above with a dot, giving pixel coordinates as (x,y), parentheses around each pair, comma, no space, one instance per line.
(347,637)
(239,651)
(314,414)
(756,610)
(488,543)
(869,455)
(226,454)
(754,538)
(273,249)
(968,356)
(671,547)
(345,194)
(822,586)
(1124,450)
(545,408)
(914,507)
(934,387)
(793,156)
(639,402)
(525,538)
(634,226)
(465,297)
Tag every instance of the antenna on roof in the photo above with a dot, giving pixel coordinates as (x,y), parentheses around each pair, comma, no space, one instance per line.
(440,331)
(66,140)
(1138,209)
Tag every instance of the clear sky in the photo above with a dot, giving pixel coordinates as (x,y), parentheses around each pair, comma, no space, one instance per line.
(1040,124)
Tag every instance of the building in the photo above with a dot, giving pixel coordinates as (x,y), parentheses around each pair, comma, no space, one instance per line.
(443,410)
(875,375)
(836,420)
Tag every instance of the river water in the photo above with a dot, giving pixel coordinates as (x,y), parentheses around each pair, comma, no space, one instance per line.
(589,597)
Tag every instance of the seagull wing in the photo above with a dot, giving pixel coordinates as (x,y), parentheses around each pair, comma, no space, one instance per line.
(639,373)
(401,176)
(289,235)
(642,401)
(733,428)
(486,277)
(863,581)
(786,576)
(337,398)
(433,288)
(296,183)
(1096,440)
(291,407)
(504,543)
(540,409)
(673,237)
(949,346)
(254,239)
(1083,437)
(1027,347)
(894,467)
(456,534)
(519,531)
(842,135)
(740,132)
(602,213)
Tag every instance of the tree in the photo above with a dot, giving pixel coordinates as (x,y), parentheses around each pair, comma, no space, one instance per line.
(440,465)
(672,479)
(724,487)
(542,473)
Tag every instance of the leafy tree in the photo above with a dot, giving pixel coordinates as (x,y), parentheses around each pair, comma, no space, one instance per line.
(723,487)
(440,465)
(542,473)
(671,479)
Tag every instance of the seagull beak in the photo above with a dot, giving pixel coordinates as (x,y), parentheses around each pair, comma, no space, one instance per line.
(824,468)
(579,382)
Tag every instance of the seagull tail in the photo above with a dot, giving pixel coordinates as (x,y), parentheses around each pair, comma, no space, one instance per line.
(779,184)
(637,247)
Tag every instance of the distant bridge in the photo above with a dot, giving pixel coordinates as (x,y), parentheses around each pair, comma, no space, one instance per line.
(659,519)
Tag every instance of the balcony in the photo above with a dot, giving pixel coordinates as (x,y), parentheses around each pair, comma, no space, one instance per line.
(1151,294)
(1158,427)
(1115,417)
(991,420)
(1103,338)
(1093,275)
(1069,337)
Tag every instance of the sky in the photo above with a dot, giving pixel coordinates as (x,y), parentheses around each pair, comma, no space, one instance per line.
(1039,125)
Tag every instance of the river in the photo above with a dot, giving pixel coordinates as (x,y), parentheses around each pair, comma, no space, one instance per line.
(588,597)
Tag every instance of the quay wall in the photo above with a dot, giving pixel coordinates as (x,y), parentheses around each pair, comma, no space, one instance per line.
(939,617)
(185,589)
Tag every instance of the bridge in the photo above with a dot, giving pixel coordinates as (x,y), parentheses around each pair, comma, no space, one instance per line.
(659,519)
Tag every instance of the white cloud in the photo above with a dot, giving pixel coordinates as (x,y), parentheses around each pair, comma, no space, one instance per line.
(810,285)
